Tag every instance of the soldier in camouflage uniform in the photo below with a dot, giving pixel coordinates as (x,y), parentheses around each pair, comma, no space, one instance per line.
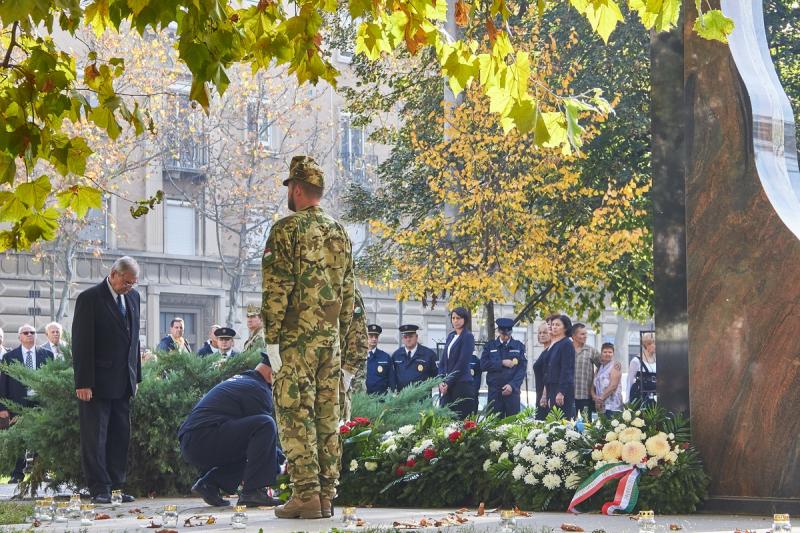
(254,325)
(354,354)
(308,303)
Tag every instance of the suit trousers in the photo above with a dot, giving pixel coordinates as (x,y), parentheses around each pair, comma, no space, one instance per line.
(504,406)
(105,436)
(243,449)
(460,397)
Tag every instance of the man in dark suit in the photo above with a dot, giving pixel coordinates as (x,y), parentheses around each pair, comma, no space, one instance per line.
(29,355)
(105,355)
(210,345)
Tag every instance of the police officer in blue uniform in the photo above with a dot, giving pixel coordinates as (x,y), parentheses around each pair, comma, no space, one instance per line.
(379,363)
(477,373)
(503,360)
(412,362)
(230,435)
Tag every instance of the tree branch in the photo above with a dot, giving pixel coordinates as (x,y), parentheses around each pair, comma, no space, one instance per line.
(11,44)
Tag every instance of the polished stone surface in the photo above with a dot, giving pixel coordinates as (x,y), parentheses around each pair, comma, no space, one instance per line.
(743,268)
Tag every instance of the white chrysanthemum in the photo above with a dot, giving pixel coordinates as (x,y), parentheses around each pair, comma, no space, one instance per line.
(353,465)
(554,463)
(503,456)
(370,466)
(486,464)
(652,462)
(573,456)
(597,455)
(626,415)
(633,452)
(391,448)
(657,445)
(541,440)
(388,435)
(518,472)
(527,453)
(614,423)
(539,459)
(559,447)
(517,448)
(671,457)
(504,428)
(612,450)
(611,435)
(530,479)
(637,423)
(406,430)
(495,445)
(671,436)
(572,435)
(572,481)
(532,434)
(631,435)
(551,481)
(637,413)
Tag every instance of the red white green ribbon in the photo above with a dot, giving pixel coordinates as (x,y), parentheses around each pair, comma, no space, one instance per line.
(627,490)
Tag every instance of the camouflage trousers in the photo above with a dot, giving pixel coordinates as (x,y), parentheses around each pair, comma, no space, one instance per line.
(306,394)
(344,402)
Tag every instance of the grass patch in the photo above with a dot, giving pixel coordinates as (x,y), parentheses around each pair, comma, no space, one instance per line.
(15,512)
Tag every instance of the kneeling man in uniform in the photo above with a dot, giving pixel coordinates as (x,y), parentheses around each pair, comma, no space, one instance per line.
(231,436)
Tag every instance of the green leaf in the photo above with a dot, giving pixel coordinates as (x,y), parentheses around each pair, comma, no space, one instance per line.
(41,225)
(603,15)
(104,118)
(8,169)
(658,15)
(12,209)
(34,193)
(523,114)
(80,198)
(713,25)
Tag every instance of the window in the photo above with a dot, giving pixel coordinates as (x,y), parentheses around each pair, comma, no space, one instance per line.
(352,138)
(346,26)
(180,228)
(95,232)
(258,122)
(186,139)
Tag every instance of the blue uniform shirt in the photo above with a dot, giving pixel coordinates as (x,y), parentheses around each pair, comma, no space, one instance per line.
(476,372)
(242,395)
(497,375)
(379,371)
(421,366)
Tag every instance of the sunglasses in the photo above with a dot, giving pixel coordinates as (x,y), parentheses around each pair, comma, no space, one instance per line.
(28,333)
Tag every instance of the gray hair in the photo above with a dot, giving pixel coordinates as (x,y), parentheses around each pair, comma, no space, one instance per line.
(26,326)
(648,338)
(125,264)
(56,325)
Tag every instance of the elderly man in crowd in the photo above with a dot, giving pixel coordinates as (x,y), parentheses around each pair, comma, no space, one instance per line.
(54,332)
(210,346)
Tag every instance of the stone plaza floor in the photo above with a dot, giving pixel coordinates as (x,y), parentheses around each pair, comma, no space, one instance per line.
(139,515)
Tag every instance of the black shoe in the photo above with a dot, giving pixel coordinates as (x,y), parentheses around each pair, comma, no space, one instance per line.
(102,499)
(209,493)
(127,498)
(258,498)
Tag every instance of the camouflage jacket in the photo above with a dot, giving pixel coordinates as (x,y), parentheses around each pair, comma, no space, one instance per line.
(308,281)
(355,346)
(255,341)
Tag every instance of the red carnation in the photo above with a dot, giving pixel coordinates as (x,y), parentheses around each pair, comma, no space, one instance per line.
(344,429)
(454,436)
(350,424)
(399,471)
(411,463)
(470,424)
(429,453)
(362,421)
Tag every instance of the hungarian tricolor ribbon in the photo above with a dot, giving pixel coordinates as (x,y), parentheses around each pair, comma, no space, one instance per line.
(627,490)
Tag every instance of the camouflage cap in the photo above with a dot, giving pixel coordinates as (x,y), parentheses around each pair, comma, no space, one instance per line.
(304,168)
(253,310)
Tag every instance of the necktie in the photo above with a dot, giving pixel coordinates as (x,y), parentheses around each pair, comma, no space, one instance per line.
(121,305)
(371,354)
(29,359)
(409,354)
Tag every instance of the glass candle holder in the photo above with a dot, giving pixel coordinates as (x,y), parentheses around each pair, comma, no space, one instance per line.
(239,517)
(169,516)
(41,511)
(62,512)
(781,523)
(87,514)
(647,522)
(75,506)
(116,498)
(349,517)
(508,520)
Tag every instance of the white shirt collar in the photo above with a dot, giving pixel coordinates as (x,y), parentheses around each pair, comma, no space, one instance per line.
(413,352)
(114,294)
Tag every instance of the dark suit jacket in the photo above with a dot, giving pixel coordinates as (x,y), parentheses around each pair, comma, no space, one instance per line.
(11,388)
(559,374)
(105,346)
(167,344)
(455,364)
(205,349)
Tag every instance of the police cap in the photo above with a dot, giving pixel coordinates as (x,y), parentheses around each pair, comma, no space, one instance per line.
(504,324)
(409,329)
(374,329)
(224,333)
(304,168)
(265,359)
(253,310)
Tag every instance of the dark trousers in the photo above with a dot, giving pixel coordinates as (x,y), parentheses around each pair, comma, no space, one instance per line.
(580,405)
(242,449)
(503,405)
(105,435)
(569,401)
(460,397)
(19,469)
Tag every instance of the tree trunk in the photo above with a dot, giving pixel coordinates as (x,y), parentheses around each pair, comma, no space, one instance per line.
(490,334)
(234,296)
(69,274)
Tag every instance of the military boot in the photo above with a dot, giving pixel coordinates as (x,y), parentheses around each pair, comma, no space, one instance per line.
(297,508)
(326,506)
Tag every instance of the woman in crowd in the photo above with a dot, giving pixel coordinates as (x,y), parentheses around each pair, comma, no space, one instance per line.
(543,336)
(457,389)
(642,372)
(607,391)
(559,375)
